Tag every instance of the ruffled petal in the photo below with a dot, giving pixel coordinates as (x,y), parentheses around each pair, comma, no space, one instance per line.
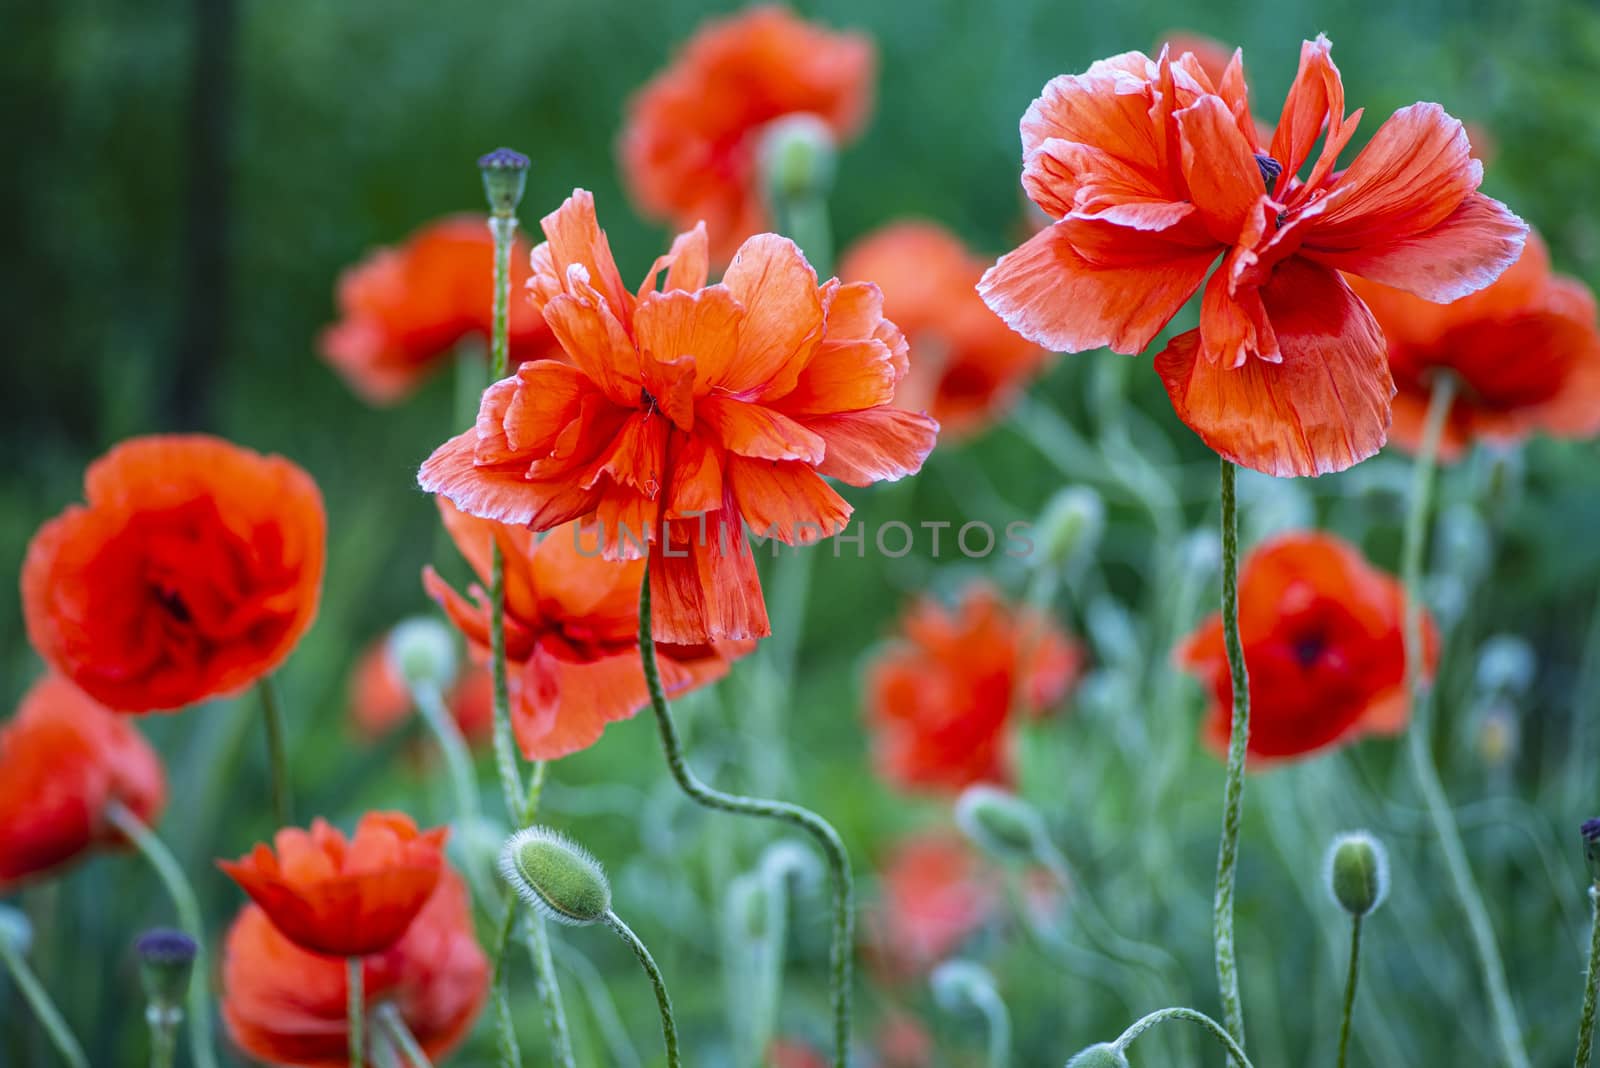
(703,324)
(687,263)
(782,320)
(787,501)
(574,239)
(499,494)
(876,445)
(1065,178)
(757,431)
(1224,180)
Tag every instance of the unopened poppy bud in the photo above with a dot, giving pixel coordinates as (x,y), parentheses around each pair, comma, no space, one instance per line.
(1506,664)
(505,175)
(1103,1055)
(166,957)
(798,158)
(961,984)
(999,823)
(1071,524)
(15,930)
(423,651)
(1357,872)
(1591,848)
(556,876)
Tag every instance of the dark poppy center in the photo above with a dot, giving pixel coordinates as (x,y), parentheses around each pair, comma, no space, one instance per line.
(1270,170)
(1308,648)
(172,602)
(647,400)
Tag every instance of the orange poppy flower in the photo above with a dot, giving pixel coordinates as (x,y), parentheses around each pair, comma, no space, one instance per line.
(690,143)
(933,895)
(966,365)
(1153,172)
(63,759)
(380,700)
(688,412)
(941,701)
(192,571)
(572,633)
(404,309)
(286,1006)
(344,898)
(1525,352)
(1323,639)
(1212,55)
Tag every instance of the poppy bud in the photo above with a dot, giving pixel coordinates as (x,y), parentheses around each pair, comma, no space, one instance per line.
(422,651)
(1357,872)
(1071,524)
(797,158)
(556,876)
(166,957)
(505,175)
(1591,848)
(1000,823)
(961,984)
(1506,664)
(15,930)
(1103,1055)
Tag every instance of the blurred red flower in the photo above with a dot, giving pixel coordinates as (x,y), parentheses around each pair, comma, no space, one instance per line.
(404,309)
(688,412)
(966,365)
(941,700)
(933,895)
(63,759)
(572,633)
(689,146)
(792,1053)
(903,1042)
(284,1005)
(344,898)
(1526,352)
(1323,639)
(1153,171)
(380,701)
(193,570)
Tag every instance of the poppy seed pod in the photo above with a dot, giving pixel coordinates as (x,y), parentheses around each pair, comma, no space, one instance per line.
(1357,872)
(166,959)
(1591,848)
(1071,525)
(1103,1055)
(505,175)
(422,651)
(1000,823)
(798,158)
(556,876)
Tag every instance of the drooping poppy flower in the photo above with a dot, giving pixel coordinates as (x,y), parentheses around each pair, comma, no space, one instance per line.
(344,898)
(1525,353)
(942,701)
(285,1006)
(688,412)
(572,633)
(404,309)
(1323,638)
(1153,172)
(380,701)
(63,759)
(966,365)
(690,144)
(933,895)
(192,571)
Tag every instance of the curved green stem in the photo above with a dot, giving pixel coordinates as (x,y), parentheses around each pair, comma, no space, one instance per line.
(458,761)
(505,1026)
(669,1028)
(277,754)
(1238,743)
(555,1013)
(187,906)
(1590,982)
(1418,736)
(820,829)
(998,1020)
(1350,989)
(355,1011)
(1216,1030)
(393,1025)
(44,1010)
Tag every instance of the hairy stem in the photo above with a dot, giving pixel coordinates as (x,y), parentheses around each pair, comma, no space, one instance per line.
(1139,1027)
(1590,982)
(1350,990)
(669,1028)
(1238,743)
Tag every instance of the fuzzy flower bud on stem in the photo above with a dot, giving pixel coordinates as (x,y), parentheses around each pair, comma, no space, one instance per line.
(1357,872)
(1000,823)
(556,876)
(422,651)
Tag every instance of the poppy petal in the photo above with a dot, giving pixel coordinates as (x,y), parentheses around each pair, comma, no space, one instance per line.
(787,501)
(782,315)
(758,431)
(877,445)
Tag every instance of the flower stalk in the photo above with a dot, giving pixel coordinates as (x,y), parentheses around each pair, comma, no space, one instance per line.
(355,1012)
(669,1028)
(1238,743)
(44,1009)
(277,754)
(1349,990)
(393,1028)
(1206,1023)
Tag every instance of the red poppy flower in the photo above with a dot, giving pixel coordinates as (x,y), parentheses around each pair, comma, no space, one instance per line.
(572,633)
(1212,55)
(1525,353)
(941,701)
(63,759)
(933,895)
(903,1042)
(192,571)
(792,1053)
(403,310)
(380,700)
(966,365)
(1153,172)
(1323,639)
(286,1006)
(344,898)
(689,147)
(688,412)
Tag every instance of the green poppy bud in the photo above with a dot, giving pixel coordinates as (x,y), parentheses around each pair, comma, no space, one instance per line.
(1103,1055)
(798,158)
(1071,525)
(1000,823)
(556,876)
(423,650)
(1357,872)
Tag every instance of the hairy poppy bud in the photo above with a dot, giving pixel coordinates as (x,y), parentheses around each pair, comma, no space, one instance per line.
(960,984)
(1000,823)
(15,930)
(1071,524)
(1357,872)
(505,175)
(797,158)
(422,650)
(556,876)
(166,957)
(1103,1055)
(1591,848)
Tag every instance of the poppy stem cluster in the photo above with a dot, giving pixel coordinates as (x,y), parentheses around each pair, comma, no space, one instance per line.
(44,1009)
(1418,736)
(820,829)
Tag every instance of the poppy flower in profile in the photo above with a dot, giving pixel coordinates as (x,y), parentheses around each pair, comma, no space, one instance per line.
(192,571)
(691,140)
(688,412)
(572,633)
(1324,641)
(966,365)
(942,701)
(403,310)
(283,1005)
(344,898)
(63,760)
(380,701)
(1154,172)
(1525,353)
(933,896)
